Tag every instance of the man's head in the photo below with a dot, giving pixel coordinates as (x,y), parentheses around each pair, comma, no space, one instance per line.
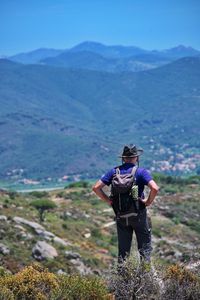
(131,154)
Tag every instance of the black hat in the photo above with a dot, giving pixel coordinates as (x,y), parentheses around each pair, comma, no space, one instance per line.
(131,151)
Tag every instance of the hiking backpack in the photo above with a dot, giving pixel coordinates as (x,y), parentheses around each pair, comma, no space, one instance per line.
(124,193)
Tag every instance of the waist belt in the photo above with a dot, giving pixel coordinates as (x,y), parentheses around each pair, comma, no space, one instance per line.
(126,216)
(129,215)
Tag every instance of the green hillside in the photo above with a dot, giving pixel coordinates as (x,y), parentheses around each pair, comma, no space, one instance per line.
(57,121)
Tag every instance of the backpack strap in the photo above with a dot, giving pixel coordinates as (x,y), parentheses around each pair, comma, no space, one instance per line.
(117,171)
(134,169)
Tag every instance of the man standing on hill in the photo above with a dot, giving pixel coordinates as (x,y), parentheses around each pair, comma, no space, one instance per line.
(127,199)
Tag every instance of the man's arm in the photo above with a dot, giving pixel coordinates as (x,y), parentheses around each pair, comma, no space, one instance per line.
(98,189)
(153,192)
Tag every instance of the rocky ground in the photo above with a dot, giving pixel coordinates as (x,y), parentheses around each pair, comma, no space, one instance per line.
(79,234)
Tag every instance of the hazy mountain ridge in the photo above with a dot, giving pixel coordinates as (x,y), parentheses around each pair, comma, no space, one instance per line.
(93,61)
(96,56)
(35,56)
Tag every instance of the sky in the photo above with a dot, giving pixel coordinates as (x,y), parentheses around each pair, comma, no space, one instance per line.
(27,25)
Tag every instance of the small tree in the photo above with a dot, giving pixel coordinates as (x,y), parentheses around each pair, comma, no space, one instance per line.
(43,205)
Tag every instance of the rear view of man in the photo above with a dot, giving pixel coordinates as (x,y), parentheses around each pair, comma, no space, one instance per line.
(127,199)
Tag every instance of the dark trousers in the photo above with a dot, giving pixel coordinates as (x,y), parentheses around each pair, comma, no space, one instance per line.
(142,231)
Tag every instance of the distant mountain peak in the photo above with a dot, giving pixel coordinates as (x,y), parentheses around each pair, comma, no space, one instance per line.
(89,43)
(88,46)
(181,48)
(181,51)
(7,61)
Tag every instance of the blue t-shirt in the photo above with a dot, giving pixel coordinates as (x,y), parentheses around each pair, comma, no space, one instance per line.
(142,176)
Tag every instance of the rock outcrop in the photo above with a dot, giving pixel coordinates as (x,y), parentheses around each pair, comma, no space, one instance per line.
(4,249)
(43,250)
(40,230)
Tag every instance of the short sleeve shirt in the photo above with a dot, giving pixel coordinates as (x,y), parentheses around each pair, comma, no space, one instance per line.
(142,176)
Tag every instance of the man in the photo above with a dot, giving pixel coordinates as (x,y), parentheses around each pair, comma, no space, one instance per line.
(136,222)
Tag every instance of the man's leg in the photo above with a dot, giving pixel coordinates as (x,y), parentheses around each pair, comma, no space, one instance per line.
(125,234)
(143,236)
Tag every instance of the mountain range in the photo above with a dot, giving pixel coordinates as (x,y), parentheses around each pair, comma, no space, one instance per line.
(99,57)
(59,121)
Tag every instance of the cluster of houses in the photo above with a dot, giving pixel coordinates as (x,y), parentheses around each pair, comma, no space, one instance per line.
(177,164)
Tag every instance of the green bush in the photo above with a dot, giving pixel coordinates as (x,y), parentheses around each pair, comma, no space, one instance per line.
(167,179)
(82,184)
(170,190)
(12,195)
(131,280)
(39,194)
(181,283)
(60,194)
(193,179)
(96,233)
(3,272)
(43,205)
(37,283)
(6,294)
(32,283)
(76,287)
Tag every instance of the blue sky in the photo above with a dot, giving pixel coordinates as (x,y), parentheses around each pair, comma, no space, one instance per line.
(26,25)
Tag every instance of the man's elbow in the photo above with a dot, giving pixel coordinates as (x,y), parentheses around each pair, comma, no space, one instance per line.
(94,188)
(97,187)
(154,187)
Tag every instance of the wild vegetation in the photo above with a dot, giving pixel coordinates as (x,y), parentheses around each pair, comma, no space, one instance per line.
(81,233)
(130,281)
(37,283)
(43,205)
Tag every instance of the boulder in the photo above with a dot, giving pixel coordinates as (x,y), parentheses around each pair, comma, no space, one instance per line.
(43,250)
(40,230)
(4,249)
(87,235)
(47,235)
(80,267)
(109,224)
(26,236)
(3,218)
(61,241)
(72,255)
(61,272)
(33,225)
(20,227)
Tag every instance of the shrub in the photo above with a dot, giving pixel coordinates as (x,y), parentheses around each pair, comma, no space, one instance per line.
(12,194)
(76,287)
(42,205)
(96,233)
(3,272)
(131,280)
(60,194)
(193,179)
(171,190)
(82,183)
(32,283)
(36,283)
(5,294)
(181,283)
(39,194)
